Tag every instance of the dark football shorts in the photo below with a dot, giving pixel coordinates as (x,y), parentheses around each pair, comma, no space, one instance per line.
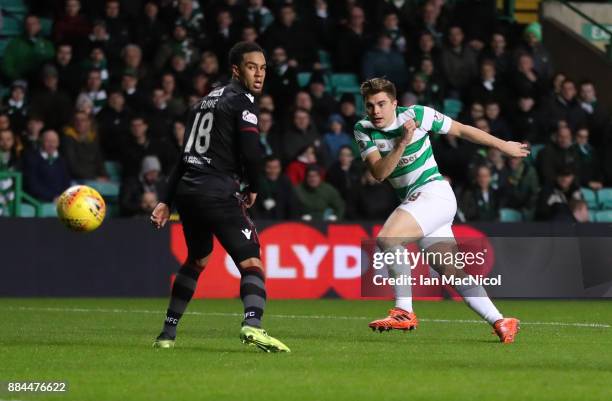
(225,217)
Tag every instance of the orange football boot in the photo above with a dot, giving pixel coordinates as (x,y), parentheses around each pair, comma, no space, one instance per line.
(398,319)
(506,329)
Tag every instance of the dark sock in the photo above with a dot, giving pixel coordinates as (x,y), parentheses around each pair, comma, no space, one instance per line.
(182,291)
(253,295)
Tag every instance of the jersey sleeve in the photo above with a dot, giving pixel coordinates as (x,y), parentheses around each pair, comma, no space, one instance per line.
(365,143)
(432,120)
(246,114)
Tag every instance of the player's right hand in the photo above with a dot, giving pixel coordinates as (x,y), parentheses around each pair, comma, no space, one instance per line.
(409,127)
(160,215)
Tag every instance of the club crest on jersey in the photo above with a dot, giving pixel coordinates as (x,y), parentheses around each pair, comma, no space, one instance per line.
(251,97)
(249,117)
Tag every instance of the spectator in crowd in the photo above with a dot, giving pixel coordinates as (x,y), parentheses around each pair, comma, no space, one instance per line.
(323,104)
(481,202)
(556,156)
(94,91)
(348,110)
(160,118)
(281,78)
(31,134)
(520,187)
(117,26)
(68,71)
(175,100)
(426,49)
(392,29)
(226,34)
(9,153)
(131,59)
(85,104)
(45,170)
(16,105)
(72,28)
(269,137)
(320,200)
(553,201)
(276,199)
(488,87)
(100,39)
(373,200)
(24,54)
(193,19)
(82,150)
(97,61)
(291,34)
(352,40)
(526,80)
(534,47)
(499,127)
(525,121)
(114,122)
(296,170)
(345,176)
(51,104)
(149,180)
(420,93)
(181,43)
(589,171)
(300,135)
(498,53)
(383,60)
(140,145)
(436,84)
(459,62)
(266,102)
(597,117)
(149,30)
(565,106)
(430,20)
(259,15)
(134,96)
(336,137)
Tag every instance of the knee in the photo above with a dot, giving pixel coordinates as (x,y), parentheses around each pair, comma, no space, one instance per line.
(384,243)
(197,263)
(254,265)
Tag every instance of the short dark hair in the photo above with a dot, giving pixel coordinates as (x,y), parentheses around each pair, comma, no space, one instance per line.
(375,85)
(237,51)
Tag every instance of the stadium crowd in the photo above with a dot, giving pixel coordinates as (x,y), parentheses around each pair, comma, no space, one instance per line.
(112,81)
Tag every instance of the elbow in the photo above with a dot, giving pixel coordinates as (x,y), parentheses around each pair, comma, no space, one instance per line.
(379,176)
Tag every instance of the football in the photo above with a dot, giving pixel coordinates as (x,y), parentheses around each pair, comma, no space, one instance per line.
(81,208)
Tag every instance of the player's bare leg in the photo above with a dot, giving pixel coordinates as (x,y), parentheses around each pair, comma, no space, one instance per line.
(182,291)
(475,296)
(400,229)
(253,295)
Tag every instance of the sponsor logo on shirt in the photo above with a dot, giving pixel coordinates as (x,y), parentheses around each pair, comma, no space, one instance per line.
(249,117)
(406,160)
(217,92)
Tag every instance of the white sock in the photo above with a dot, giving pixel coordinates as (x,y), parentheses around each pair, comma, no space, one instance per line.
(477,299)
(403,292)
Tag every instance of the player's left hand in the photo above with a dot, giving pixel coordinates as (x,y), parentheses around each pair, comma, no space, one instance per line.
(515,149)
(250,199)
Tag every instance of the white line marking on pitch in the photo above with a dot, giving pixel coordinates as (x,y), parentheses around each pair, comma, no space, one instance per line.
(160,312)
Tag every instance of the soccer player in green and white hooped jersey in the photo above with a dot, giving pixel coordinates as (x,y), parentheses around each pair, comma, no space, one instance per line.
(394,143)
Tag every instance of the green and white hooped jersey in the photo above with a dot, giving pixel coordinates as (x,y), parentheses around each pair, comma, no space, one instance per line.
(417,165)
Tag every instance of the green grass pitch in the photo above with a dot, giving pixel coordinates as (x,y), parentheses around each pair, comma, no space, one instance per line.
(102,347)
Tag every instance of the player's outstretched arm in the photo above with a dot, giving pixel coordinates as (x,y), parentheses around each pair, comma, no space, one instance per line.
(382,167)
(473,134)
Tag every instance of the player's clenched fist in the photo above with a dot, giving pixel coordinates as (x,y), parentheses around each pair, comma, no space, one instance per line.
(409,127)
